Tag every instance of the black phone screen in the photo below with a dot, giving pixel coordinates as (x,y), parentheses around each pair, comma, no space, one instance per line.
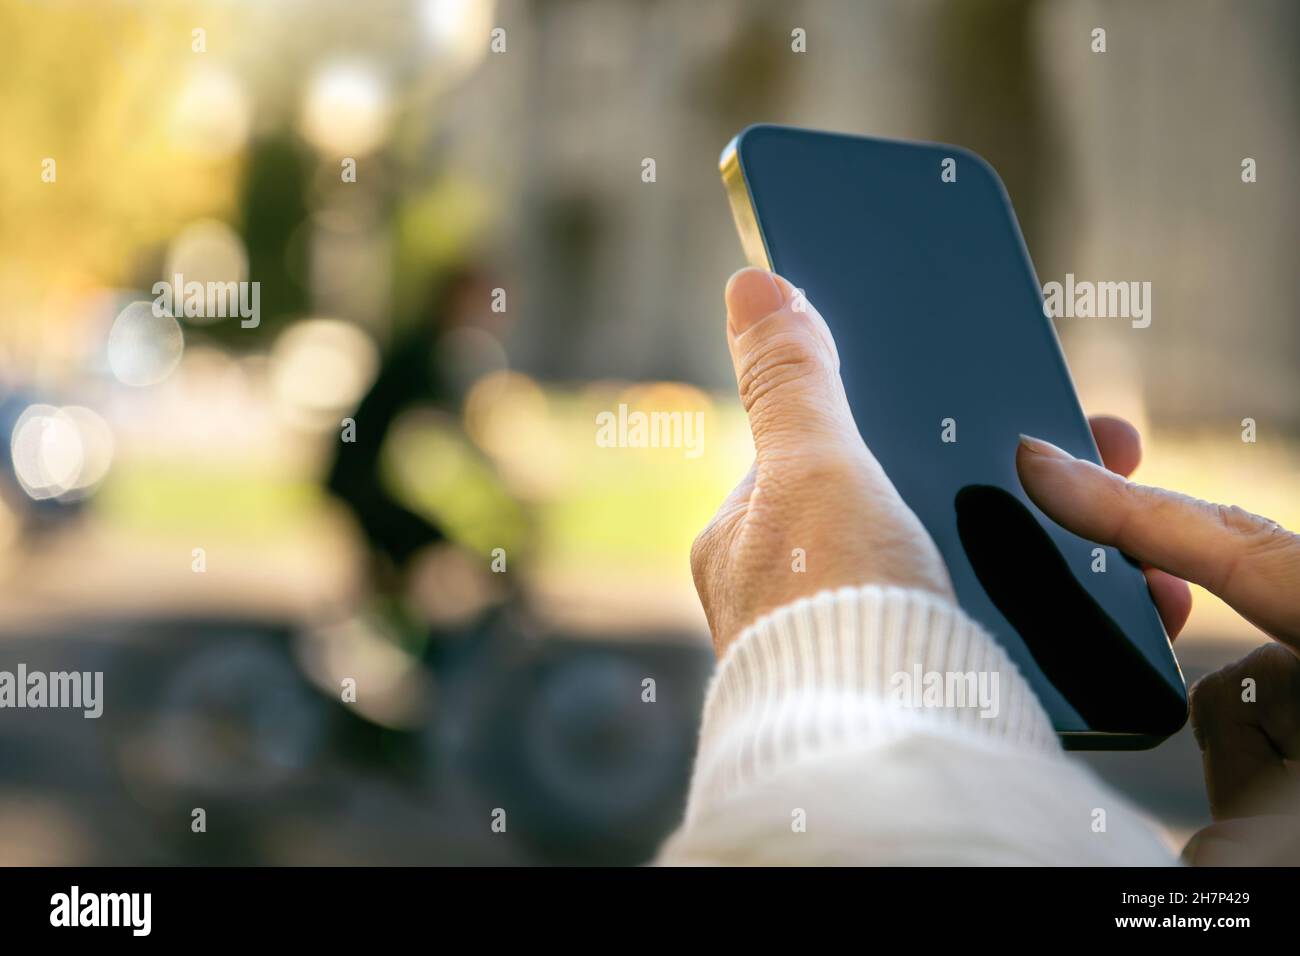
(947,357)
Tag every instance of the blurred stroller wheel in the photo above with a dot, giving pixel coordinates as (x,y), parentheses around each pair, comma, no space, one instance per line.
(589,770)
(235,721)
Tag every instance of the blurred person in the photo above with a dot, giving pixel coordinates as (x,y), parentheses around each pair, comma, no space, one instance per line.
(804,759)
(410,374)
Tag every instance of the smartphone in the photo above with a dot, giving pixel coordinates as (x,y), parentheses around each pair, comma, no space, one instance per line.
(912,253)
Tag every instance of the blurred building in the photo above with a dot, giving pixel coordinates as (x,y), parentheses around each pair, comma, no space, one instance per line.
(1124,166)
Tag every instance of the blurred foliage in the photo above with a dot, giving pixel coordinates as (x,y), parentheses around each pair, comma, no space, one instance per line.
(94,86)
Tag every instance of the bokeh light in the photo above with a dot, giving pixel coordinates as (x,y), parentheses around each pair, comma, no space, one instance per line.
(144,345)
(96,446)
(47,451)
(346,111)
(457,31)
(211,116)
(207,251)
(320,368)
(508,416)
(60,452)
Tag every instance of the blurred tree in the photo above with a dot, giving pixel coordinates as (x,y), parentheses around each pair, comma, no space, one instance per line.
(273,208)
(986,95)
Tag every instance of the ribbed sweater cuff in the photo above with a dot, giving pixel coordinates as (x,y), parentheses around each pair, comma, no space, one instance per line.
(852,667)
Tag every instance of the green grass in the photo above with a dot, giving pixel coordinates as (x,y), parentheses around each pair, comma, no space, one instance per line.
(609,506)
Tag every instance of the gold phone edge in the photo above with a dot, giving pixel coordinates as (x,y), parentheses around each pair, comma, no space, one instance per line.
(742,209)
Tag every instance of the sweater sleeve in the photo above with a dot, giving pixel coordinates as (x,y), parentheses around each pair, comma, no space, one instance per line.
(879,725)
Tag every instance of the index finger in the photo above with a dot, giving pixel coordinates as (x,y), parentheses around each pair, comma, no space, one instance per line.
(1251,562)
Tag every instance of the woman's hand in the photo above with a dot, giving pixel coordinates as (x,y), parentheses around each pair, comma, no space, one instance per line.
(816,510)
(1247,715)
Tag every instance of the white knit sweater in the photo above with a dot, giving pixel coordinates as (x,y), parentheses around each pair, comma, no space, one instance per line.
(883,726)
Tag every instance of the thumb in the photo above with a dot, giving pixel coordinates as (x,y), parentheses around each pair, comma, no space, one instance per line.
(787,369)
(1251,562)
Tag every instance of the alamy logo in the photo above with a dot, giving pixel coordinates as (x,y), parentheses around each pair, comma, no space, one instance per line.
(77,690)
(1102,300)
(639,429)
(75,908)
(209,300)
(946,690)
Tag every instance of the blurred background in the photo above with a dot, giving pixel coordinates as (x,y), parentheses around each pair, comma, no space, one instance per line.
(391,478)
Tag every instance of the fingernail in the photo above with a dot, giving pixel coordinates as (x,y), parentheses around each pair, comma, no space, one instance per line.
(1044,448)
(751,294)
